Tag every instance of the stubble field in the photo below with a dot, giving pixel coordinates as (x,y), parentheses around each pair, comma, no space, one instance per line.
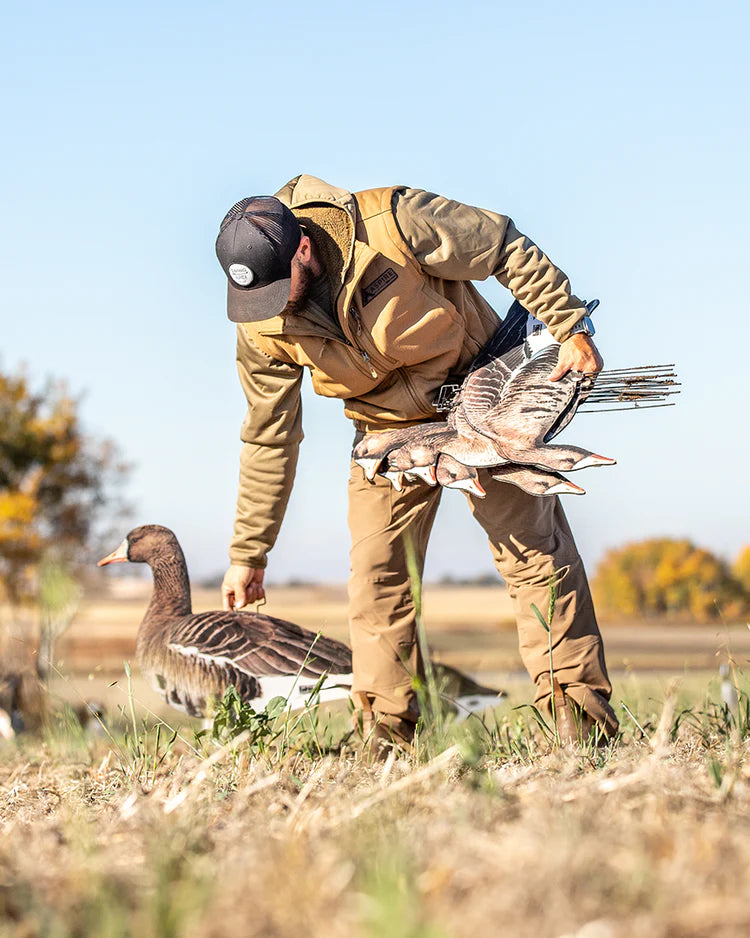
(492,829)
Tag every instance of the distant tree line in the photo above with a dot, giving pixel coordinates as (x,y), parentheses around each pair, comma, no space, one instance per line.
(666,577)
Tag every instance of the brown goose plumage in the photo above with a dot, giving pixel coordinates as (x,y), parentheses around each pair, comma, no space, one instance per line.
(191,658)
(513,404)
(374,448)
(505,414)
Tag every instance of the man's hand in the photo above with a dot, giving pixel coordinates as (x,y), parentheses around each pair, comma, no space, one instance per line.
(242,585)
(577,353)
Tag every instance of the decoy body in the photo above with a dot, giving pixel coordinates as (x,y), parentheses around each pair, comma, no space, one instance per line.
(514,406)
(191,658)
(505,414)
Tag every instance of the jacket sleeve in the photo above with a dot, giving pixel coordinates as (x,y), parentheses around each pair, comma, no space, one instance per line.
(271,434)
(454,241)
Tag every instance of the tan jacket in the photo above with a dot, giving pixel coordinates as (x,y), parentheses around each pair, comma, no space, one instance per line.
(404,316)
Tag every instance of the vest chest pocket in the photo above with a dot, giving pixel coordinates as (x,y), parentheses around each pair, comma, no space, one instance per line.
(373,353)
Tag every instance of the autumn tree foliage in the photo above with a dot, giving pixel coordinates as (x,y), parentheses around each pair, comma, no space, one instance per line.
(668,577)
(55,482)
(741,568)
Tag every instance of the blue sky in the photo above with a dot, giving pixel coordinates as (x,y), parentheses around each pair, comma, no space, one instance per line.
(615,135)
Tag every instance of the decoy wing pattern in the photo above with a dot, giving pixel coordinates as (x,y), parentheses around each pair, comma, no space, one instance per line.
(506,412)
(192,658)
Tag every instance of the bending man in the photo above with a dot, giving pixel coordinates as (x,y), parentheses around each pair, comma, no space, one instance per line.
(373,293)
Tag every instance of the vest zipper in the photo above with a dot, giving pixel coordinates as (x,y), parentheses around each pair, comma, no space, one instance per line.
(354,315)
(367,361)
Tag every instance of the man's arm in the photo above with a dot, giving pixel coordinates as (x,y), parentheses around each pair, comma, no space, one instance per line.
(271,434)
(455,241)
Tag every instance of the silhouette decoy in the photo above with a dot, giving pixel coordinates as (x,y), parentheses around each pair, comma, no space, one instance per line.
(503,417)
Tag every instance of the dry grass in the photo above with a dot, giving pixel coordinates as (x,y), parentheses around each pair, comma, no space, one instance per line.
(140,834)
(498,835)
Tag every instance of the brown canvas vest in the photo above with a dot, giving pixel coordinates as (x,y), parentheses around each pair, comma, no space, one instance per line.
(402,332)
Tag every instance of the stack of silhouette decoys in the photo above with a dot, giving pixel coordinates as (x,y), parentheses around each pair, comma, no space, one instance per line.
(505,414)
(192,658)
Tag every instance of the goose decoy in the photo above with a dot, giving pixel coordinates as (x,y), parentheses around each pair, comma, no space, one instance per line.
(522,411)
(728,691)
(6,728)
(417,458)
(506,412)
(11,711)
(191,658)
(374,448)
(466,695)
(452,474)
(535,481)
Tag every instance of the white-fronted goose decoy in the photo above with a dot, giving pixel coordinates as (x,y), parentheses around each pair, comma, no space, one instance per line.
(508,399)
(191,658)
(524,414)
(417,458)
(373,449)
(452,474)
(535,481)
(505,414)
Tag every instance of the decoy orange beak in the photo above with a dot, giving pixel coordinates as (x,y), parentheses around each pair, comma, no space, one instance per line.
(565,487)
(117,556)
(425,473)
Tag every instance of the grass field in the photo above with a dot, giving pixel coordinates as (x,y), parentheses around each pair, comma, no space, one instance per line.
(492,829)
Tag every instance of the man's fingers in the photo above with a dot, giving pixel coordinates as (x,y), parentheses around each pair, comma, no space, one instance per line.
(241,586)
(559,372)
(256,593)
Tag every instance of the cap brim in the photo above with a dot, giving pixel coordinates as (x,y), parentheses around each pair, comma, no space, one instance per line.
(258,303)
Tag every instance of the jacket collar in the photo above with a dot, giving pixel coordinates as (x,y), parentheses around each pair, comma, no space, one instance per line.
(305,190)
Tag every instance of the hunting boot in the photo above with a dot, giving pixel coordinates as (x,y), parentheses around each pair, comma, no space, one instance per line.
(382,733)
(576,727)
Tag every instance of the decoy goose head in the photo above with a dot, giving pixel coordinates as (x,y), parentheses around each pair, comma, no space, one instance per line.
(451,474)
(144,545)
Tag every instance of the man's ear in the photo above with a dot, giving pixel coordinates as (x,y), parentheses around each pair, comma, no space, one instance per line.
(304,249)
(306,255)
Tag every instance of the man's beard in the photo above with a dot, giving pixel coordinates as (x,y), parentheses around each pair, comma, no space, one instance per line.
(299,300)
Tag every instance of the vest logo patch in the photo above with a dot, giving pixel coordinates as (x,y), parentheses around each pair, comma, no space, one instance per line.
(379,284)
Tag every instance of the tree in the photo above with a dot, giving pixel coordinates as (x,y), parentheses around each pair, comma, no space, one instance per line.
(741,568)
(55,482)
(664,576)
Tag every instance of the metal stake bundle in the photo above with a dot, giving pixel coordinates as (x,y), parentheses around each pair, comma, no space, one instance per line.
(638,387)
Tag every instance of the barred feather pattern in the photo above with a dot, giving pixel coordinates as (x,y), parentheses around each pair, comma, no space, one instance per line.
(191,658)
(203,653)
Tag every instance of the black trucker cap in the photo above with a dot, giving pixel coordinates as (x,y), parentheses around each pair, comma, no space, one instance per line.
(257,240)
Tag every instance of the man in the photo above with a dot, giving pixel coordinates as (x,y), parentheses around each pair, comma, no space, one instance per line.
(372,292)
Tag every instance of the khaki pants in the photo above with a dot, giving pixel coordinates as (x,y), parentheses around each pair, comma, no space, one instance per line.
(529,538)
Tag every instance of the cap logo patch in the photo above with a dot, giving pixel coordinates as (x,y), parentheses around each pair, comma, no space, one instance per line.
(241,274)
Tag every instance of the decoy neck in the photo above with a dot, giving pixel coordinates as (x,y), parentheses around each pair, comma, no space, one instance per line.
(159,548)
